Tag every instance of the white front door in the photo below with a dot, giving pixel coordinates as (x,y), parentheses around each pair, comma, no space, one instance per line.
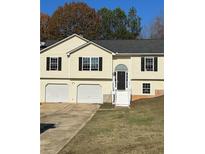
(89,94)
(56,93)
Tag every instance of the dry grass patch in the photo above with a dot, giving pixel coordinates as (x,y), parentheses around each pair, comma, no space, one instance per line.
(138,130)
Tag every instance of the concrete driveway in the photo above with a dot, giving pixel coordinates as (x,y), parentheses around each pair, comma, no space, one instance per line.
(61,122)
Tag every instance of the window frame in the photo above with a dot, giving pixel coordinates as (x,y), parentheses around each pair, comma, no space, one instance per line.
(146,88)
(90,64)
(94,63)
(145,60)
(83,64)
(57,63)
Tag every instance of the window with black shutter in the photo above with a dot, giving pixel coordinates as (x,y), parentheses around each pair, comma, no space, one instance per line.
(53,63)
(149,64)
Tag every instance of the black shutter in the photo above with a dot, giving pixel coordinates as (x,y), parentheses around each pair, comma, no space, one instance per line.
(47,63)
(59,63)
(155,64)
(142,63)
(100,63)
(80,64)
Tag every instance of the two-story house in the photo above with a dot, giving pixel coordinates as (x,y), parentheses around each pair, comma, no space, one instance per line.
(77,70)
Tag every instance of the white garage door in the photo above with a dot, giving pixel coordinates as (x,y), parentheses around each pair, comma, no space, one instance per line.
(57,93)
(89,94)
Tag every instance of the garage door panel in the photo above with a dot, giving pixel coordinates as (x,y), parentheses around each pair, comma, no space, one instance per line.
(57,93)
(89,94)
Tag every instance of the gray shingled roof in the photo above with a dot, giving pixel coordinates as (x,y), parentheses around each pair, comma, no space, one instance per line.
(127,46)
(133,46)
(48,43)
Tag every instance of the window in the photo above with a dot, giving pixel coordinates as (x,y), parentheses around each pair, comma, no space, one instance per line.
(149,64)
(86,63)
(90,63)
(94,63)
(53,63)
(146,88)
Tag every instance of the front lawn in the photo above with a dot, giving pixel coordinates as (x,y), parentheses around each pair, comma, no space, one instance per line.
(139,130)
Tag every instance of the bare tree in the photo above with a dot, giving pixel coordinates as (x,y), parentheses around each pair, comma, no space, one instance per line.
(157,28)
(44,26)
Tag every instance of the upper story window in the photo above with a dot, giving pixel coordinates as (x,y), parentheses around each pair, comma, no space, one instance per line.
(53,63)
(86,63)
(146,88)
(90,63)
(95,63)
(149,63)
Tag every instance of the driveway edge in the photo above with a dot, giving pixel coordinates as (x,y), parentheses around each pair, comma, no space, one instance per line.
(79,129)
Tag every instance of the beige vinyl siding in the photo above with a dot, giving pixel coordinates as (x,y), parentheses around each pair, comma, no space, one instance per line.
(136,72)
(91,51)
(59,51)
(122,60)
(155,85)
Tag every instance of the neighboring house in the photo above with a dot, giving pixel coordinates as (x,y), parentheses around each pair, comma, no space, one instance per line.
(77,70)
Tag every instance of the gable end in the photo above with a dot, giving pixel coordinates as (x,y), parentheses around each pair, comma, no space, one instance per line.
(61,41)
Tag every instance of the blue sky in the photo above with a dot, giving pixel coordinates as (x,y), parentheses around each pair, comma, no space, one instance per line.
(147,9)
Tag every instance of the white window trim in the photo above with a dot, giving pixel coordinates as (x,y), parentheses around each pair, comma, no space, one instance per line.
(145,64)
(90,57)
(50,64)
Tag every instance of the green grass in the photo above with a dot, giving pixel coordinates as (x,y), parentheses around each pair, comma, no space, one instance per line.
(138,130)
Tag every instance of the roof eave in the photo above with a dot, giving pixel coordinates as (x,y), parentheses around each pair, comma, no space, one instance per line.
(88,43)
(140,54)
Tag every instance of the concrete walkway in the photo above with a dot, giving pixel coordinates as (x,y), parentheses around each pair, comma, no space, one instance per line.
(67,119)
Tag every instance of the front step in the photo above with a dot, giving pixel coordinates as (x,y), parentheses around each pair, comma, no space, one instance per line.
(122,98)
